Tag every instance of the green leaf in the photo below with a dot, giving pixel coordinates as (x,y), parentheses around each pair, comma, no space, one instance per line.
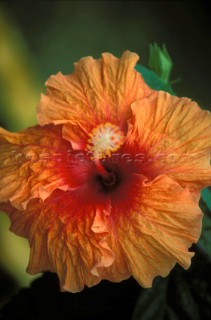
(171,314)
(205,238)
(206,196)
(152,302)
(153,80)
(185,306)
(160,61)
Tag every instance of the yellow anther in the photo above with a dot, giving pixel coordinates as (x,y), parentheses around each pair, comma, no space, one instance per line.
(105,139)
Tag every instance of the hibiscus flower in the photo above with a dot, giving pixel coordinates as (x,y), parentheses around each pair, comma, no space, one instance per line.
(107,185)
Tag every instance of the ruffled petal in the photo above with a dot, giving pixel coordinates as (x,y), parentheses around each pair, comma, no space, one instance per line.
(98,91)
(173,135)
(156,233)
(64,238)
(31,163)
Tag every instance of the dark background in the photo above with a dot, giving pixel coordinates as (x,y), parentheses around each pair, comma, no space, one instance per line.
(57,33)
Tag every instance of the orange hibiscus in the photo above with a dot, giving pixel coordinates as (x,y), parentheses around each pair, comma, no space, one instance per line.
(107,185)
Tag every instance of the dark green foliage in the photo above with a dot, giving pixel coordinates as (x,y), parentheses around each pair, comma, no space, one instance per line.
(43,301)
(182,295)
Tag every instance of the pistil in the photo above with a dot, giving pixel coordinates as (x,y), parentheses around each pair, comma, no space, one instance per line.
(104,139)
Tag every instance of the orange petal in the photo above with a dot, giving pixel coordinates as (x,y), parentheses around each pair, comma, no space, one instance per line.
(98,91)
(156,233)
(174,136)
(29,167)
(64,238)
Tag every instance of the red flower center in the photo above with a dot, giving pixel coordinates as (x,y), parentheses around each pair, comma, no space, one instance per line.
(110,183)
